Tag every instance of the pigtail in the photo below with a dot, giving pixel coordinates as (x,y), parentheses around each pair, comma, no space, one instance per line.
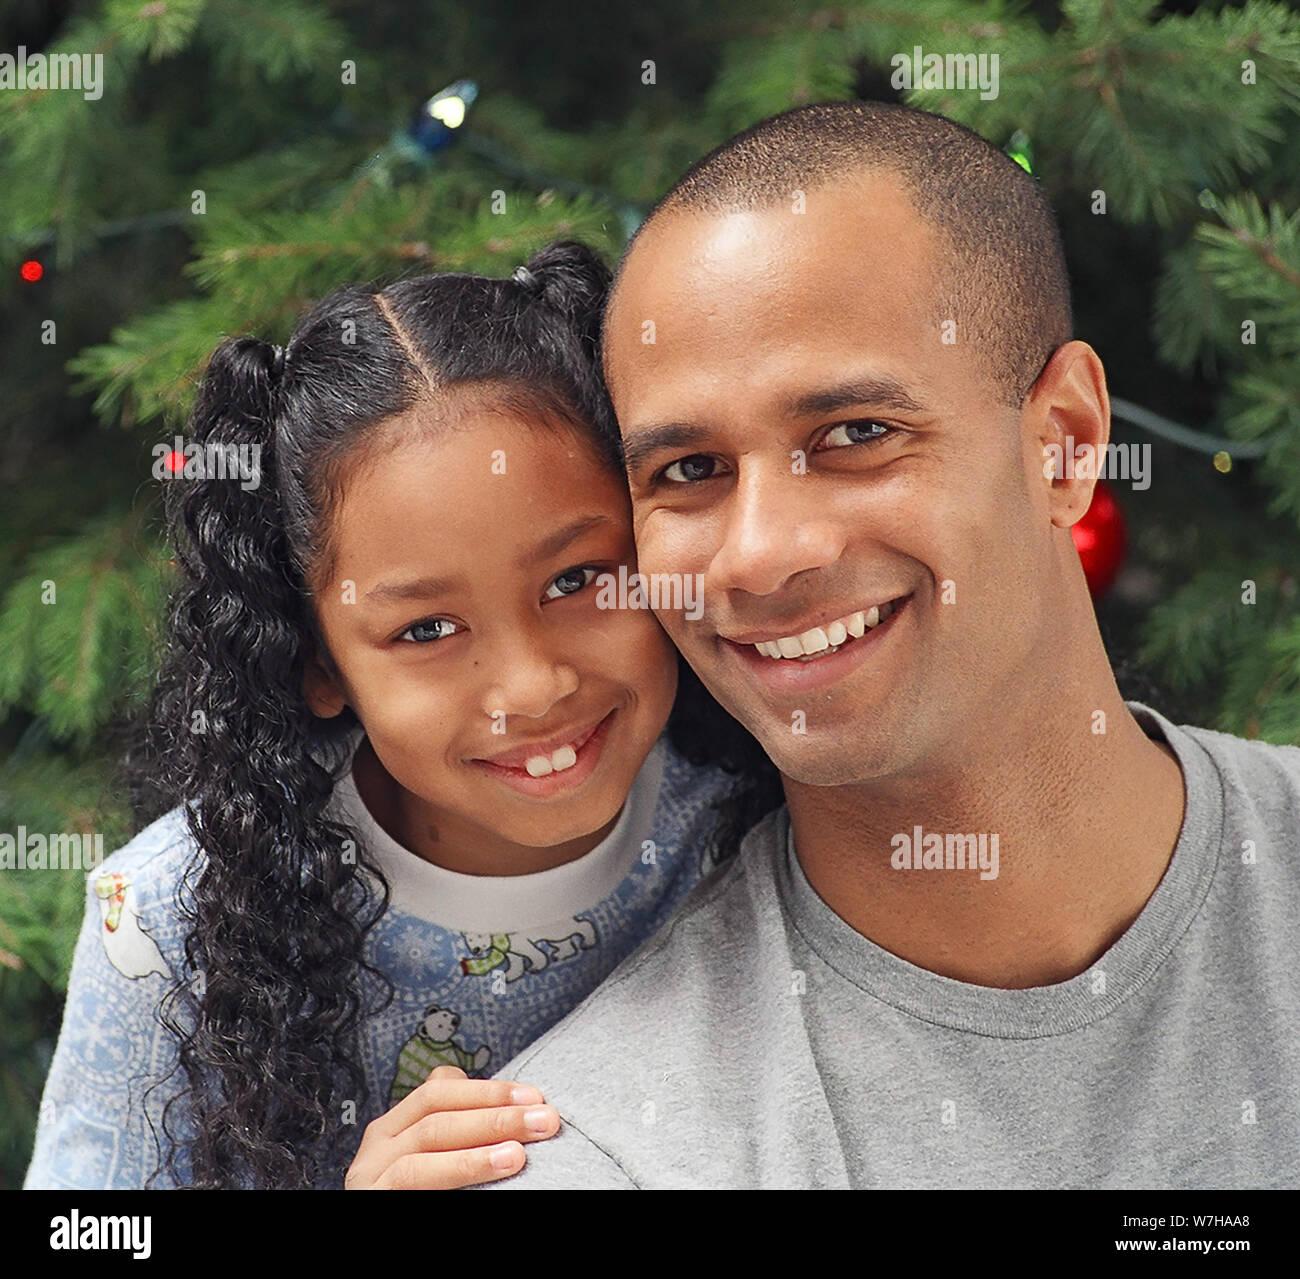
(267,1008)
(570,279)
(564,287)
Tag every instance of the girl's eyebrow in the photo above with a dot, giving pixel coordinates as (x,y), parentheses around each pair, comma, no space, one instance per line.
(422,588)
(554,543)
(418,588)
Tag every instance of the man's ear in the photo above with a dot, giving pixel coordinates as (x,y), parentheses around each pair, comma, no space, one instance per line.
(1070,417)
(321,686)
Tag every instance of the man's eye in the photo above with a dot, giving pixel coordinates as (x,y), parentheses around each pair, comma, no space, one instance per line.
(689,470)
(430,629)
(570,582)
(865,432)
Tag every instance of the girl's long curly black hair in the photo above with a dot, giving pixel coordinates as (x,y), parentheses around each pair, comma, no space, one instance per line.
(276,984)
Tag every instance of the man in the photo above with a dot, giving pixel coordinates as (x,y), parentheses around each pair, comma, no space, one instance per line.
(1007,931)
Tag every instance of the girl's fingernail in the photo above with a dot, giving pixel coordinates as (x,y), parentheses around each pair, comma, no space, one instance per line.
(538,1120)
(503,1156)
(525,1095)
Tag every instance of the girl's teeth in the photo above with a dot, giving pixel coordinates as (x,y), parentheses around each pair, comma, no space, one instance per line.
(556,762)
(857,625)
(837,632)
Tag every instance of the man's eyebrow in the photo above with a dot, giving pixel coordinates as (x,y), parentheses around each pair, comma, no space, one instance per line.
(641,442)
(428,587)
(882,391)
(877,390)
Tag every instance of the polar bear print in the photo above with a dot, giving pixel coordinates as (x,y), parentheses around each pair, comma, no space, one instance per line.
(431,1046)
(520,954)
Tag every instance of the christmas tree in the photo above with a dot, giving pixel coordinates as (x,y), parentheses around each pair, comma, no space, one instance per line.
(226,162)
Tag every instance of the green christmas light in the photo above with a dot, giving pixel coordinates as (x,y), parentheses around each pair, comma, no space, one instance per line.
(1020,150)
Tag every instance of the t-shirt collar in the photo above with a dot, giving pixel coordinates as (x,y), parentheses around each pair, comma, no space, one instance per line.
(1040,1010)
(507,903)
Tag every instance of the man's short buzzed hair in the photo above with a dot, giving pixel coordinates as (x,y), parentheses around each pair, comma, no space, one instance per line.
(1006,282)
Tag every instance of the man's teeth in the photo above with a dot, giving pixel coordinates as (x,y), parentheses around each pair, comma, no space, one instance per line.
(555,762)
(828,638)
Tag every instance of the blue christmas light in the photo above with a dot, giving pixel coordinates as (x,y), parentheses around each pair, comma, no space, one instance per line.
(435,121)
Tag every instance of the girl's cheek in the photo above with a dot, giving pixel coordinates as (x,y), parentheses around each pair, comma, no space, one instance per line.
(421,704)
(652,669)
(638,643)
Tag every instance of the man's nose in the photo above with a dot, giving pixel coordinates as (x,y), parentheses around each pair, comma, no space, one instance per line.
(776,527)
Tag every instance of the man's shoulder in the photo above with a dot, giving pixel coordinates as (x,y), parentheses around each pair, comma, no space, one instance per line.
(660,1074)
(1251,756)
(1245,763)
(634,1070)
(1259,778)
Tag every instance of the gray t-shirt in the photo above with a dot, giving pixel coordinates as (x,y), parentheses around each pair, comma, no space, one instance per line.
(759,1041)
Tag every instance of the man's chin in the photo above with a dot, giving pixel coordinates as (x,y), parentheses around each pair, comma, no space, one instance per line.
(809,762)
(805,772)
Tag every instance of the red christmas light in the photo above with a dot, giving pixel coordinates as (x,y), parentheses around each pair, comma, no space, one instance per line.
(31,271)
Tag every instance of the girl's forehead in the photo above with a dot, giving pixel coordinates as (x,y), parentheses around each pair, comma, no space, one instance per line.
(515,418)
(474,449)
(488,489)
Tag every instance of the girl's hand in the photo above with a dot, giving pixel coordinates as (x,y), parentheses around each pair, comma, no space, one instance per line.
(451,1131)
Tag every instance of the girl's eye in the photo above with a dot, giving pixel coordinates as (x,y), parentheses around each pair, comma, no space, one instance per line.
(866,432)
(690,470)
(430,629)
(570,582)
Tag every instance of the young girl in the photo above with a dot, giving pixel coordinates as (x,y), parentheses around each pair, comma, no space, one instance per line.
(425,797)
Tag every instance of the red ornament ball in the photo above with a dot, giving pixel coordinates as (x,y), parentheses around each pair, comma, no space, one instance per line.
(31,271)
(1101,538)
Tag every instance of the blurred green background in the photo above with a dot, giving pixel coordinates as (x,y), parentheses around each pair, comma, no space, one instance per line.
(1183,115)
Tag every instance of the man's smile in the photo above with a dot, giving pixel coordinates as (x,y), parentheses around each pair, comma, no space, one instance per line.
(801,641)
(818,661)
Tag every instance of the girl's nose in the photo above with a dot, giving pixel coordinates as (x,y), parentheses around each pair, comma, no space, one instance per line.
(529,683)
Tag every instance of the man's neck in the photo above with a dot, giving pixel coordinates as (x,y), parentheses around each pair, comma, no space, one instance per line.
(1085,826)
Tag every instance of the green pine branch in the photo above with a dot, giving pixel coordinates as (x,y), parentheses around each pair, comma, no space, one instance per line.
(79,626)
(260,270)
(63,156)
